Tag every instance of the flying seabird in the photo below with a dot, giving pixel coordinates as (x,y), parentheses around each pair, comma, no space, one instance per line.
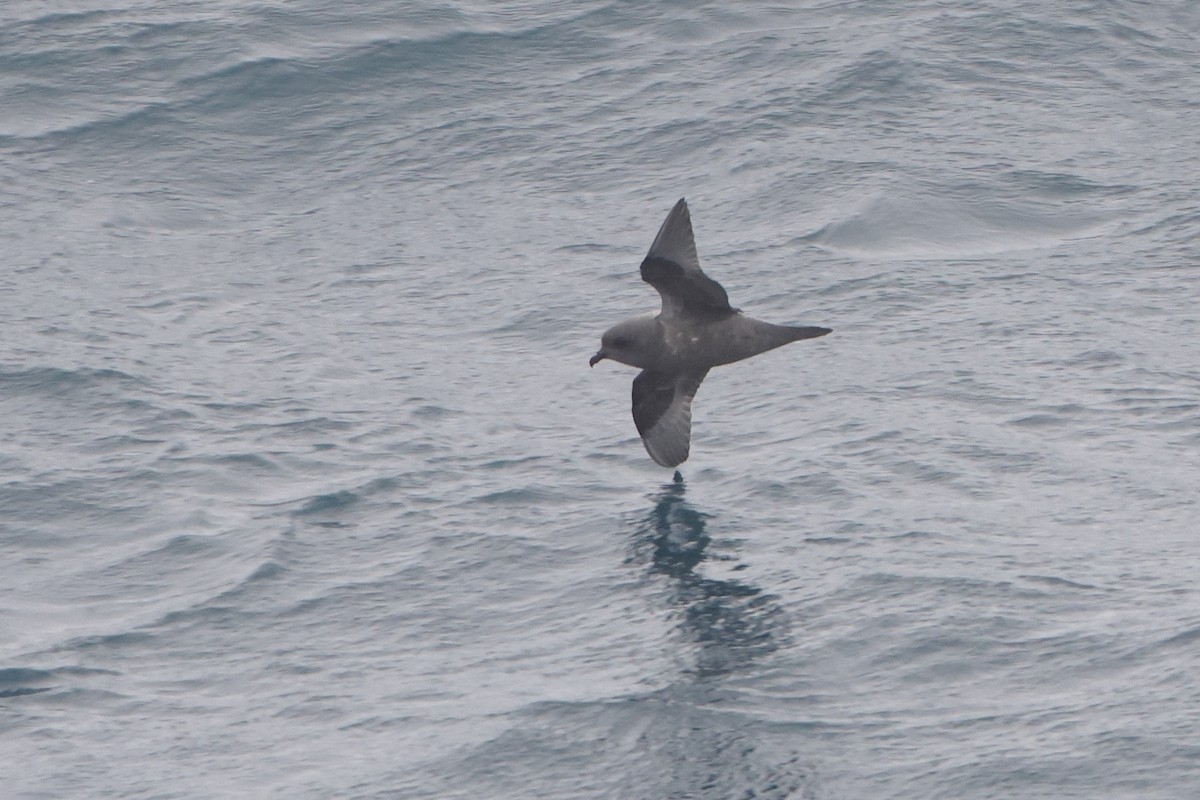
(696,330)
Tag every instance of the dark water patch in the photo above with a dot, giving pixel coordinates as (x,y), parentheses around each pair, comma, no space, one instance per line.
(210,614)
(1057,582)
(927,473)
(110,123)
(54,381)
(380,485)
(254,461)
(110,641)
(256,95)
(234,408)
(520,496)
(124,443)
(881,436)
(1041,421)
(190,545)
(21,675)
(24,681)
(265,572)
(374,284)
(828,540)
(22,691)
(854,528)
(881,79)
(1020,278)
(915,534)
(255,80)
(434,412)
(814,481)
(65,20)
(19,682)
(510,463)
(1096,358)
(1053,416)
(1062,185)
(325,503)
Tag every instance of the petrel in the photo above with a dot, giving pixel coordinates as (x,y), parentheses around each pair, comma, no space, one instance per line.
(696,330)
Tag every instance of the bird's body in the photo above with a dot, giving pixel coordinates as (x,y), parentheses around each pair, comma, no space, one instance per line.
(672,344)
(696,330)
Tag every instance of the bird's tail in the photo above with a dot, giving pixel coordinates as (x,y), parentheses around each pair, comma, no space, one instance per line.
(805,332)
(743,337)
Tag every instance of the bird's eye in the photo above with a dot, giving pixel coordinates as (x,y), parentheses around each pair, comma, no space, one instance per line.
(620,342)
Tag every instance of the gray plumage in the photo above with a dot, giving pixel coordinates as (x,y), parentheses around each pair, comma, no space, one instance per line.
(696,330)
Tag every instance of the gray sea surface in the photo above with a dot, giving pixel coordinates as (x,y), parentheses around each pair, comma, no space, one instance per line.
(307,491)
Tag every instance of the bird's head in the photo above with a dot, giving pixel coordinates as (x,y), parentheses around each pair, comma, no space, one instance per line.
(630,342)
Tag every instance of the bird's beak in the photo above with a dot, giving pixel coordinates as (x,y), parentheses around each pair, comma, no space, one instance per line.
(596,359)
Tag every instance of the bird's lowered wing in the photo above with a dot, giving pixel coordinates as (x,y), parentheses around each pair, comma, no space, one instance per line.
(662,411)
(673,268)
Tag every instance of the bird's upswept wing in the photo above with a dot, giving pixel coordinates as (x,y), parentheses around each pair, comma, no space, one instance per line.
(673,268)
(662,411)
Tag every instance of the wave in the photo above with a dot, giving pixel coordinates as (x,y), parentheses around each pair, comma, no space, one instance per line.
(52,381)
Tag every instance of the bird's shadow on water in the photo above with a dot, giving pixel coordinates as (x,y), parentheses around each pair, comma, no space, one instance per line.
(694,736)
(732,623)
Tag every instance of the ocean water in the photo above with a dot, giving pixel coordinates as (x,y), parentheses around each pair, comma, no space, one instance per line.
(307,491)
